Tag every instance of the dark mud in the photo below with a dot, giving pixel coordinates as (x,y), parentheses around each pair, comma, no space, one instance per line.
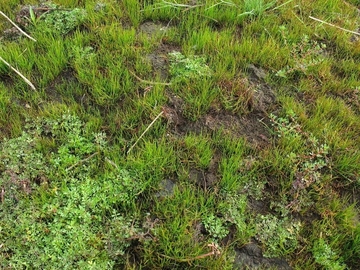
(253,126)
(152,29)
(65,76)
(159,60)
(250,257)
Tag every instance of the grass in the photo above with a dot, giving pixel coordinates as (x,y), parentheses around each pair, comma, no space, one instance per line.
(237,123)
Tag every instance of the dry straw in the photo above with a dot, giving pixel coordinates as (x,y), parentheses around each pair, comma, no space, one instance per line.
(6,63)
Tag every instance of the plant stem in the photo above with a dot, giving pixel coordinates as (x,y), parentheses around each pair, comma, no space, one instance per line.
(17,27)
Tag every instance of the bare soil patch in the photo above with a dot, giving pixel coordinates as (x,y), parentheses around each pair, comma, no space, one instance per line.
(159,59)
(251,257)
(65,76)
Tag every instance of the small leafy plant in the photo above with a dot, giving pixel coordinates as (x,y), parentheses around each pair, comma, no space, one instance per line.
(232,213)
(308,167)
(182,67)
(279,236)
(21,167)
(57,19)
(305,54)
(215,227)
(65,21)
(233,209)
(325,256)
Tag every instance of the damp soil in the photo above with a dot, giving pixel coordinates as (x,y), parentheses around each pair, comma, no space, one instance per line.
(252,125)
(52,92)
(250,257)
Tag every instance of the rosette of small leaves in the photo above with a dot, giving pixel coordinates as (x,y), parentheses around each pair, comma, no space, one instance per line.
(308,166)
(191,67)
(233,209)
(279,237)
(325,256)
(64,21)
(215,227)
